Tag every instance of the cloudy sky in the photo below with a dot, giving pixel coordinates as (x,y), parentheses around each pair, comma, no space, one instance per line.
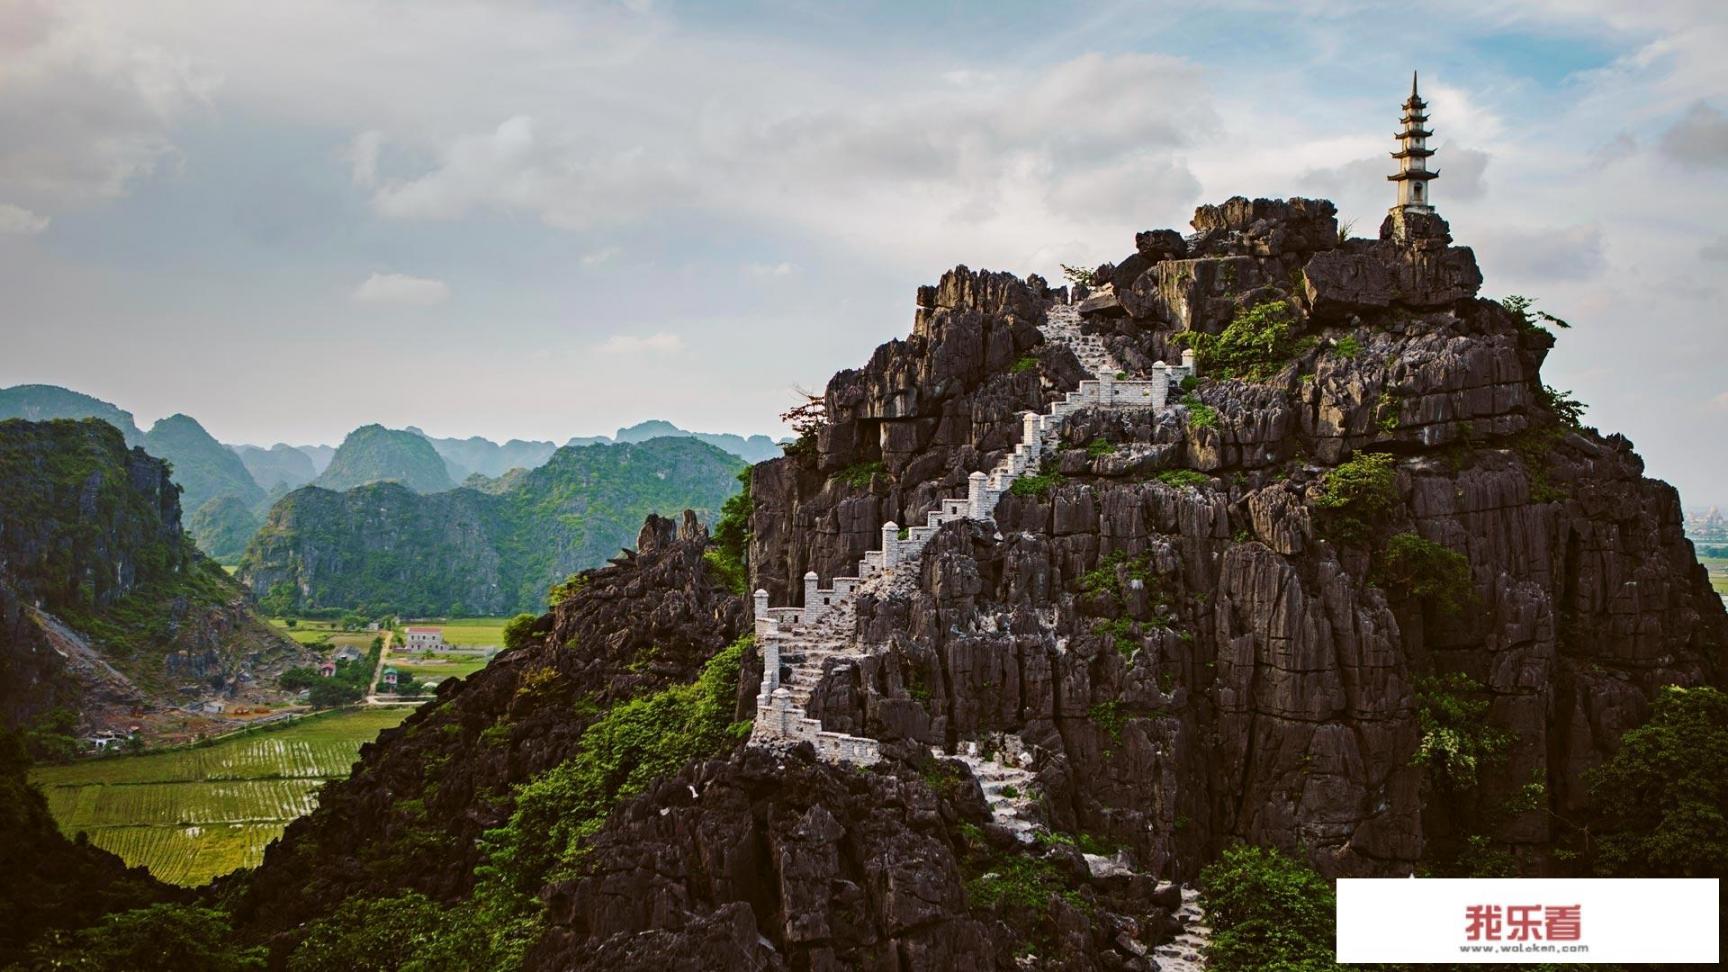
(542,219)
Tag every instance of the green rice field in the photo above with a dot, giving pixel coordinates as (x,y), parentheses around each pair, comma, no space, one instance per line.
(192,814)
(437,667)
(474,632)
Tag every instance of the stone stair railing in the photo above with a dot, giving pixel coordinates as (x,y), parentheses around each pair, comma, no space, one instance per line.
(811,636)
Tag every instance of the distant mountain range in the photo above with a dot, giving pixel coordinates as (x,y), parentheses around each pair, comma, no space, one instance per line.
(381,548)
(228,489)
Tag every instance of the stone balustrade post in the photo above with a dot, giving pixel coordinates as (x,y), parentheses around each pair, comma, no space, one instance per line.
(977,485)
(770,666)
(890,537)
(812,605)
(1029,434)
(1188,362)
(1106,389)
(761,603)
(1160,384)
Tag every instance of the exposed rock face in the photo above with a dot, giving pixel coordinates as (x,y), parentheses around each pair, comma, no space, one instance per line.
(781,862)
(1257,683)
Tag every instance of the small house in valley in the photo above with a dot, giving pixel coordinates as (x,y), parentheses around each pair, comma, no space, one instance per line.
(389,676)
(425,639)
(349,653)
(327,669)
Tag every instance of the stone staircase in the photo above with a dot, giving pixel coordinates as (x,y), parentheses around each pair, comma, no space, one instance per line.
(810,638)
(1002,766)
(1187,951)
(803,645)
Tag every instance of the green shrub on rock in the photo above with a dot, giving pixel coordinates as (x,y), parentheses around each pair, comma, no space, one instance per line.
(1267,911)
(1256,345)
(1356,494)
(1424,569)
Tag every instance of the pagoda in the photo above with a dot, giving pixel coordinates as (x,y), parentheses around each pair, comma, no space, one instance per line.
(1412,156)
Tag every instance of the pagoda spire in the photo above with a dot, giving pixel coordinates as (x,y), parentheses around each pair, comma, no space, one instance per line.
(1412,155)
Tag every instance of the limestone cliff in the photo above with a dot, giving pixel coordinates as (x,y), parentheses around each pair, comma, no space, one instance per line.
(106,608)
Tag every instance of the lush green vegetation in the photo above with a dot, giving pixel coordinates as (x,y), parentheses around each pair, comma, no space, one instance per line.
(1457,740)
(1036,484)
(1200,414)
(191,814)
(474,632)
(163,936)
(629,747)
(1184,478)
(222,527)
(730,555)
(347,686)
(1415,567)
(1356,495)
(1267,912)
(1347,346)
(1258,342)
(1024,364)
(382,549)
(1660,805)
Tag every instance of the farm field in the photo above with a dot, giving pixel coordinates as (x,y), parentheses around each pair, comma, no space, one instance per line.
(192,814)
(437,667)
(1718,568)
(475,632)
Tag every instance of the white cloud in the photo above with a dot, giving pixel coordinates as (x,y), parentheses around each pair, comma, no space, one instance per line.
(1699,138)
(88,109)
(400,288)
(16,220)
(661,343)
(362,157)
(781,269)
(599,257)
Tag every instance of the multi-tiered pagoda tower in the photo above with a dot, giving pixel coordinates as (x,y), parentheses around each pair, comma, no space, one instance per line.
(1412,156)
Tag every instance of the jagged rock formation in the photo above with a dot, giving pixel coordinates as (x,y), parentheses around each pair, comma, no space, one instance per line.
(105,608)
(1250,681)
(385,549)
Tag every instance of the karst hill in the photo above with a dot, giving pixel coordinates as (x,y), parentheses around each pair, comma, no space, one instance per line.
(1259,534)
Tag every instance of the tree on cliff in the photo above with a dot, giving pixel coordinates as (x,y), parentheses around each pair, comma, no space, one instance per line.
(1661,803)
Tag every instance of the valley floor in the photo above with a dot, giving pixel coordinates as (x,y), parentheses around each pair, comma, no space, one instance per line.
(192,814)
